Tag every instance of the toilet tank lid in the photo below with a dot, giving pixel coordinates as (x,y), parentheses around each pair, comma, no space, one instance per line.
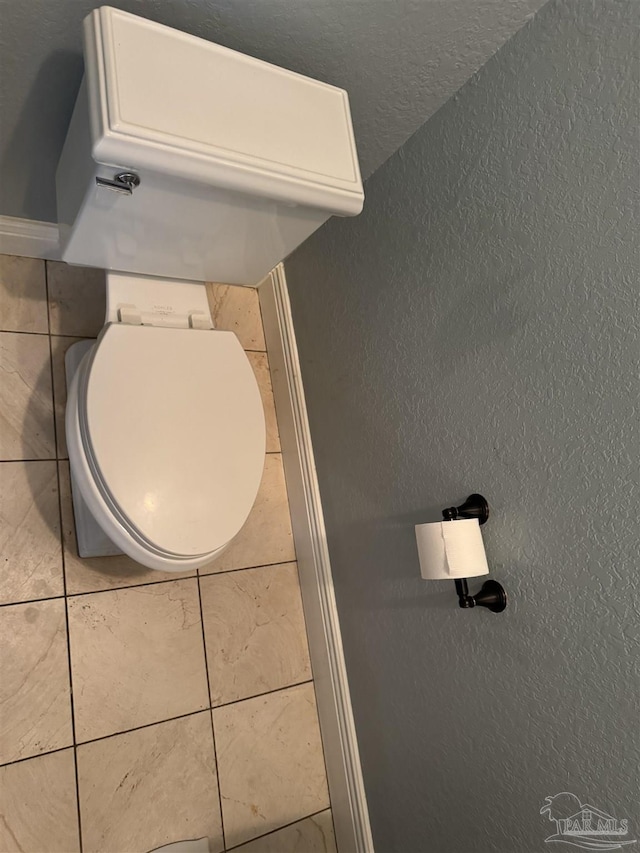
(170,102)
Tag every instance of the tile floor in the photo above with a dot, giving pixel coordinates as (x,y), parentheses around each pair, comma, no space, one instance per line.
(136,707)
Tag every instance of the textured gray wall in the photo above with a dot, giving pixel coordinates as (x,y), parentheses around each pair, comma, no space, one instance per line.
(477,328)
(399,60)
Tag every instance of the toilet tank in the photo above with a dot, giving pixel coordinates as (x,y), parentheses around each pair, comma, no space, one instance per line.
(234,161)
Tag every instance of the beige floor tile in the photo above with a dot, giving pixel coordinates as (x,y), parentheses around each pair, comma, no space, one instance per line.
(35,705)
(255,632)
(237,309)
(311,835)
(260,364)
(26,403)
(59,347)
(137,657)
(150,787)
(38,807)
(23,295)
(270,762)
(77,300)
(31,563)
(93,574)
(266,536)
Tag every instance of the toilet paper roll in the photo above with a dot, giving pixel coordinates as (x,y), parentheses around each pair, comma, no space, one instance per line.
(451,549)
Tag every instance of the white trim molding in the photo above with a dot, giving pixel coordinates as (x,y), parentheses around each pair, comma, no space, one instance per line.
(346,786)
(29,238)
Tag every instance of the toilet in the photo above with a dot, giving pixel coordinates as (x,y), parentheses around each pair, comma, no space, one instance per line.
(185,162)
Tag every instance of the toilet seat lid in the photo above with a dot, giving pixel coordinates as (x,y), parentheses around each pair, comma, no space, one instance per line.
(173,426)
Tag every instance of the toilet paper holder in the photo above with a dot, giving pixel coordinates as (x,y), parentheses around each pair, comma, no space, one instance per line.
(492,594)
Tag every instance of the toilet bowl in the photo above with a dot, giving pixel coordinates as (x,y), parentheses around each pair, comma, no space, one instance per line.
(185,162)
(165,427)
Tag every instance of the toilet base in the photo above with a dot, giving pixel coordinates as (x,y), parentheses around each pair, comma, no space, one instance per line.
(91,538)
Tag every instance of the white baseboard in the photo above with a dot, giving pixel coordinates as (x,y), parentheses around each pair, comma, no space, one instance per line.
(346,787)
(28,238)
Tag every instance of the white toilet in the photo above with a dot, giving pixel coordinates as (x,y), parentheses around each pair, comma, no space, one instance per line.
(185,162)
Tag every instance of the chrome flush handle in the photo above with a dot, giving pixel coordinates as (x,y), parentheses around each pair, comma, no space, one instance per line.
(123,182)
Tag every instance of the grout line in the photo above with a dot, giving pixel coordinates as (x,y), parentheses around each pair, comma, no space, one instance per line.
(207,710)
(245,568)
(264,337)
(213,734)
(75,335)
(168,580)
(41,459)
(37,755)
(64,572)
(107,737)
(32,600)
(132,585)
(333,820)
(73,710)
(264,693)
(284,826)
(145,726)
(19,332)
(324,753)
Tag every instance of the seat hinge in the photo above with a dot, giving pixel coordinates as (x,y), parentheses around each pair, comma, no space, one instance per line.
(138,300)
(132,316)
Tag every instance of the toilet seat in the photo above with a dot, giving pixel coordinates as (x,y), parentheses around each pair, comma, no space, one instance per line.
(167,440)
